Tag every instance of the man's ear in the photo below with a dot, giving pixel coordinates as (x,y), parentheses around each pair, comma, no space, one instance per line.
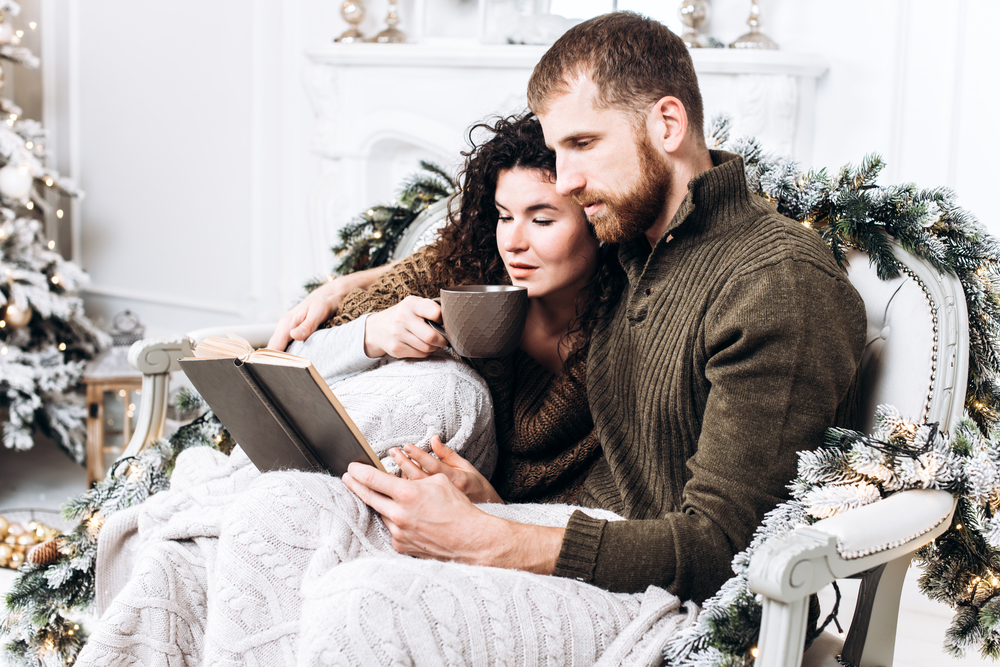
(668,123)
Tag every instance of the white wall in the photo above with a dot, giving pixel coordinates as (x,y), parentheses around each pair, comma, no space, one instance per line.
(188,127)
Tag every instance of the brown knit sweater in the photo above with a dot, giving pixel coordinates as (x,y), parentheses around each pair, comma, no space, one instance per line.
(735,345)
(543,425)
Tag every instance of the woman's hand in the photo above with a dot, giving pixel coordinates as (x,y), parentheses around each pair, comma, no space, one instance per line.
(415,463)
(401,331)
(320,305)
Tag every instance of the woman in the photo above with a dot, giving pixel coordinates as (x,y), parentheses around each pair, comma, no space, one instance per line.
(223,564)
(511,227)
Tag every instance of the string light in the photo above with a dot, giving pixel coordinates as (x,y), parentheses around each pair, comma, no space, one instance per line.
(62,347)
(20,34)
(29,145)
(55,280)
(3,350)
(59,214)
(30,206)
(49,182)
(52,244)
(377,235)
(121,392)
(3,324)
(754,652)
(32,25)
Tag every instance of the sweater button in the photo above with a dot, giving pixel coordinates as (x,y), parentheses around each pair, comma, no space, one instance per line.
(649,290)
(494,368)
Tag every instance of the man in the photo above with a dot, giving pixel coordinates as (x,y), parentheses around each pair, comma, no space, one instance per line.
(734,346)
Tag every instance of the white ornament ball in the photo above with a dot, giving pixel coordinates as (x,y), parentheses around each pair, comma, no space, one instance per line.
(15,182)
(15,317)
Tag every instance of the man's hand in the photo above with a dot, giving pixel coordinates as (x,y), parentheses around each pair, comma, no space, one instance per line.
(401,331)
(430,518)
(415,464)
(320,305)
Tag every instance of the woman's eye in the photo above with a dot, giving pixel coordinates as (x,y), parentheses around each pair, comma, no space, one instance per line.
(504,218)
(539,221)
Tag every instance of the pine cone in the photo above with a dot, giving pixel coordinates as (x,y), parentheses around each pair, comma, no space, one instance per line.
(44,553)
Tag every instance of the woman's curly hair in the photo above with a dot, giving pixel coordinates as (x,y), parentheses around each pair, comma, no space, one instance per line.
(467,254)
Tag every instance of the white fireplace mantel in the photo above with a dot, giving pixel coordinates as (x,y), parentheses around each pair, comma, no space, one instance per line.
(380,108)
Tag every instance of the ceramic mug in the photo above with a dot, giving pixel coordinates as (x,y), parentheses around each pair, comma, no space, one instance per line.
(482,321)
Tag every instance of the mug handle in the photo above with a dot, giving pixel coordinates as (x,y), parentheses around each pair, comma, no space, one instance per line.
(434,325)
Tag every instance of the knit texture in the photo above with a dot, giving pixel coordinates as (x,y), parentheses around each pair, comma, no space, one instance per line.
(544,429)
(232,595)
(233,567)
(735,345)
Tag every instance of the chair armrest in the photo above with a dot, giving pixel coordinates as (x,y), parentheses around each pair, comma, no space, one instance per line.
(792,568)
(156,359)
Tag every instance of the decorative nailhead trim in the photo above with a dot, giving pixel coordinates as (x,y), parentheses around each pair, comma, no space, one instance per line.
(934,351)
(851,555)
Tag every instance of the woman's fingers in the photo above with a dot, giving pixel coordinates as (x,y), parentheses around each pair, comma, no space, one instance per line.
(407,467)
(424,460)
(449,455)
(402,332)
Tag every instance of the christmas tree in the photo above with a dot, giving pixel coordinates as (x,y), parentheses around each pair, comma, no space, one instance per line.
(45,339)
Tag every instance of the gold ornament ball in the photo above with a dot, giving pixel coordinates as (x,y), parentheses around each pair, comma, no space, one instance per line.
(10,539)
(15,530)
(27,540)
(16,560)
(4,525)
(5,552)
(15,317)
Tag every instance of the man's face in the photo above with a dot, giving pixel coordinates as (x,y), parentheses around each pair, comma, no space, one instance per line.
(606,163)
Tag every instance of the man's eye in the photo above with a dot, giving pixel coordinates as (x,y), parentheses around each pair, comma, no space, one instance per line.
(583,143)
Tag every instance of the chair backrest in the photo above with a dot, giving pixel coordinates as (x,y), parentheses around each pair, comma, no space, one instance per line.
(916,356)
(424,228)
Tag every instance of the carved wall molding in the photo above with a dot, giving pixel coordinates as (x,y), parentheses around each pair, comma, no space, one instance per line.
(382,107)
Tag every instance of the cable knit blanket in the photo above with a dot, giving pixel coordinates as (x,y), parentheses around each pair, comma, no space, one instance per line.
(233,567)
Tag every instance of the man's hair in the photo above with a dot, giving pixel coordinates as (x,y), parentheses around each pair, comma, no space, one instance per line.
(634,62)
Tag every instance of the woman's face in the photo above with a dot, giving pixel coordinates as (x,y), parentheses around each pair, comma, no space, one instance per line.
(543,237)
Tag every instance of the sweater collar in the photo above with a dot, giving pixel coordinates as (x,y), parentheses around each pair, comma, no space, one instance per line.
(713,196)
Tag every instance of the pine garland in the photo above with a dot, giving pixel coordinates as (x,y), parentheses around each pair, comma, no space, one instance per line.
(962,567)
(39,620)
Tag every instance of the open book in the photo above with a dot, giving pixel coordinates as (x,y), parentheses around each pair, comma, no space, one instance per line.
(277,407)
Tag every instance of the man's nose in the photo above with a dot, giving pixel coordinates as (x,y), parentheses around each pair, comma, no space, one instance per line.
(569,180)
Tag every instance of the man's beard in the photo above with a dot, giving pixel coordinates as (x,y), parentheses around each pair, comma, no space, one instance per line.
(629,215)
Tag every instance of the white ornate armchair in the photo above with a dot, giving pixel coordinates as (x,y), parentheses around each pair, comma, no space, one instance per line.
(916,359)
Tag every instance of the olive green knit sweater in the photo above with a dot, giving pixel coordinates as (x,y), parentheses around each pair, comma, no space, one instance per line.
(735,345)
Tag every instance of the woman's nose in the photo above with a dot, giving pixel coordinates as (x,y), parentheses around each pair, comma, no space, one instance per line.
(516,238)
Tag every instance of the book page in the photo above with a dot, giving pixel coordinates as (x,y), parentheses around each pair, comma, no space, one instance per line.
(237,347)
